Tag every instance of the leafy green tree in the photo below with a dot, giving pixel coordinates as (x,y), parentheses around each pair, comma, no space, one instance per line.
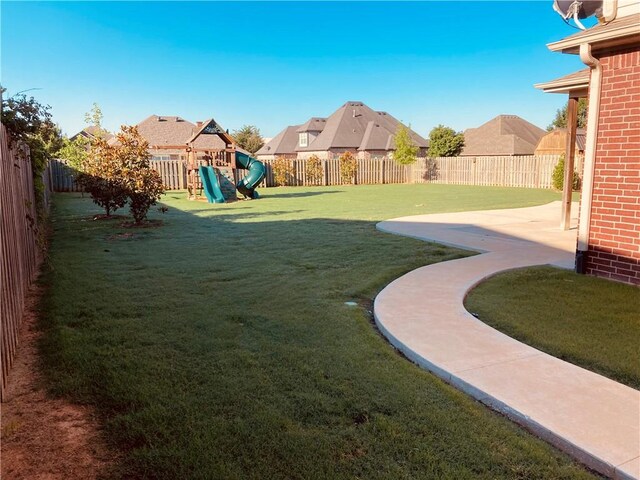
(249,138)
(445,142)
(29,121)
(406,151)
(75,151)
(560,120)
(313,169)
(348,167)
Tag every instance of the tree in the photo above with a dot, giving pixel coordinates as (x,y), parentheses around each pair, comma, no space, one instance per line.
(282,170)
(29,121)
(445,142)
(560,121)
(113,174)
(101,177)
(143,184)
(249,138)
(74,151)
(313,169)
(348,167)
(406,151)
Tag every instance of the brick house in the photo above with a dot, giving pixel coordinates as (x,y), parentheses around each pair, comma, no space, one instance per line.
(609,221)
(354,127)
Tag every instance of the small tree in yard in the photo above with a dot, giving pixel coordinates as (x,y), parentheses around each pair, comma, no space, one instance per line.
(74,151)
(406,151)
(313,169)
(445,142)
(282,170)
(558,176)
(142,183)
(113,174)
(348,167)
(101,177)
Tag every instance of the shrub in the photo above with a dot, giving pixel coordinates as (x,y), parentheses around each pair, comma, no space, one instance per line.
(101,177)
(558,176)
(313,169)
(113,174)
(445,142)
(147,190)
(348,167)
(142,183)
(405,150)
(282,171)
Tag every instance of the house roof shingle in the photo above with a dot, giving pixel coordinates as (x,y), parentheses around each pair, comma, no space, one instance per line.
(502,135)
(283,143)
(314,124)
(161,130)
(354,126)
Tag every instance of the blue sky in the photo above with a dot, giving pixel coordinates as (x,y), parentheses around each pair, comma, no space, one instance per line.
(276,64)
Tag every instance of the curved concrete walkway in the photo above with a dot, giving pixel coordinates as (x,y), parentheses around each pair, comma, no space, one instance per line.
(587,415)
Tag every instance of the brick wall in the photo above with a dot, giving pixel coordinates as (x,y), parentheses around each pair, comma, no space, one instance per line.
(614,239)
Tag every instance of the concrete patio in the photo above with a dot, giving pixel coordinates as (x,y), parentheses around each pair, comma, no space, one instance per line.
(592,418)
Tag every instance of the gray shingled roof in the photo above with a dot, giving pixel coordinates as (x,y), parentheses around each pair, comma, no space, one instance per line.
(503,135)
(90,132)
(354,125)
(283,143)
(160,130)
(314,124)
(347,126)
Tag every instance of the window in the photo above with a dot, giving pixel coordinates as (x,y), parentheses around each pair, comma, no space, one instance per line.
(303,139)
(160,157)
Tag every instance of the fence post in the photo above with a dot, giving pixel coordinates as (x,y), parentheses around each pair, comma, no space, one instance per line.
(325,181)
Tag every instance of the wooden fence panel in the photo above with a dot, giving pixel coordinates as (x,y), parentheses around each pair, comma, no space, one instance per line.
(528,171)
(19,249)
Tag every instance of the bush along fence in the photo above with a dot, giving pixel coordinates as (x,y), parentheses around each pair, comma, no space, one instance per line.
(19,244)
(530,171)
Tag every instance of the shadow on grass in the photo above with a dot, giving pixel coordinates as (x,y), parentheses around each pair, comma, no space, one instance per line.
(220,346)
(294,194)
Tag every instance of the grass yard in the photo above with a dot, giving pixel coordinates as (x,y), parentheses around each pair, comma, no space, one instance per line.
(219,345)
(587,321)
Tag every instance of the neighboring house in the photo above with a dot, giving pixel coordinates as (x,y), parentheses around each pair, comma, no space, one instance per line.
(609,221)
(168,137)
(504,135)
(353,127)
(555,142)
(90,133)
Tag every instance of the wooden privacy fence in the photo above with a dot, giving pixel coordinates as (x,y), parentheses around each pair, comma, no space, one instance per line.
(530,171)
(18,243)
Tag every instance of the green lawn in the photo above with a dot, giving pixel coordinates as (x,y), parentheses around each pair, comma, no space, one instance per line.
(220,346)
(588,321)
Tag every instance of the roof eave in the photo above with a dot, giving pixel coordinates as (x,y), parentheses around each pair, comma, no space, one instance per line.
(563,87)
(617,35)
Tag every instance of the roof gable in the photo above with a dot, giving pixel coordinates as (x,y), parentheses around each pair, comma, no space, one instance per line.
(355,125)
(160,131)
(283,143)
(502,135)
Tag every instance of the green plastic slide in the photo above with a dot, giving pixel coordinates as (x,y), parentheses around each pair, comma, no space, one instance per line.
(247,185)
(211,185)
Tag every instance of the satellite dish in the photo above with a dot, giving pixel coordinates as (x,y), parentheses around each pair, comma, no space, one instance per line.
(577,10)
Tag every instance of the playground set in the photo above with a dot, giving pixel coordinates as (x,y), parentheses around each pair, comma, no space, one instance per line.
(215,172)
